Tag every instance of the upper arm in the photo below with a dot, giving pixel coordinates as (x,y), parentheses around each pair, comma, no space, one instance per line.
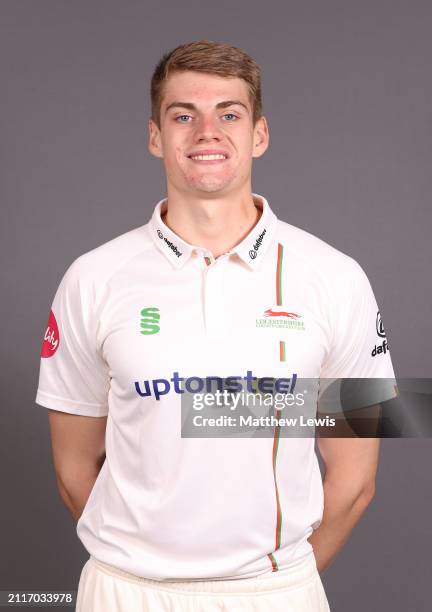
(358,347)
(74,376)
(355,378)
(350,462)
(78,444)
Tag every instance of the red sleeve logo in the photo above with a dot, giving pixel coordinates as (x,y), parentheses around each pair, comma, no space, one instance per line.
(51,338)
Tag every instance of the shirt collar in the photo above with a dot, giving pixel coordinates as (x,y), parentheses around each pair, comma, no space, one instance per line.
(251,249)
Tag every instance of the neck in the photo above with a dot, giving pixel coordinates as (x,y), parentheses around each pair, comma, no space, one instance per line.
(216,223)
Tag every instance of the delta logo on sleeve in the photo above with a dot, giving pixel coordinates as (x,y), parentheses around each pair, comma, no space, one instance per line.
(380,349)
(51,339)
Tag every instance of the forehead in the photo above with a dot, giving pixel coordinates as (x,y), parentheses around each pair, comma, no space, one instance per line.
(203,89)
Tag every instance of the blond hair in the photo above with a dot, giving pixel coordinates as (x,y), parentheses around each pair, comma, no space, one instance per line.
(212,58)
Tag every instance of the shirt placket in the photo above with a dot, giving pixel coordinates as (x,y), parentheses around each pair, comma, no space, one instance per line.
(214,310)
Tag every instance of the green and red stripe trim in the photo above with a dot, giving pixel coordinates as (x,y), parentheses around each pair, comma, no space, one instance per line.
(279,275)
(282,357)
(282,352)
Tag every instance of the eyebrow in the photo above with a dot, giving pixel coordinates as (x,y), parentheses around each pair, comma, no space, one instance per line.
(191,106)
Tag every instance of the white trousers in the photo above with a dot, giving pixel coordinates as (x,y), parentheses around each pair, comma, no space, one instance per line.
(103,588)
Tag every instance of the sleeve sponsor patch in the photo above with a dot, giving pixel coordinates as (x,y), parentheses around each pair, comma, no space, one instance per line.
(51,338)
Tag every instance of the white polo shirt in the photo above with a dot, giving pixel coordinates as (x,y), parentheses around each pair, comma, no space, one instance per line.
(133,320)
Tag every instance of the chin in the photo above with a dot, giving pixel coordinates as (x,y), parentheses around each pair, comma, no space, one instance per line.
(210,186)
(209,183)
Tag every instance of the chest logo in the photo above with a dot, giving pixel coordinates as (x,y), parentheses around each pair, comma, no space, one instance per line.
(150,320)
(278,317)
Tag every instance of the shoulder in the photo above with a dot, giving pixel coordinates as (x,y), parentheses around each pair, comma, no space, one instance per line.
(97,266)
(317,256)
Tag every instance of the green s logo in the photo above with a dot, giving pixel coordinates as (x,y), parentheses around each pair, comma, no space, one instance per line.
(150,318)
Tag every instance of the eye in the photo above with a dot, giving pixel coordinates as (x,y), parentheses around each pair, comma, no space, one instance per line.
(230,116)
(183,118)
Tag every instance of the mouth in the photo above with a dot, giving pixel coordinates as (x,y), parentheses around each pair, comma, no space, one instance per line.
(208,158)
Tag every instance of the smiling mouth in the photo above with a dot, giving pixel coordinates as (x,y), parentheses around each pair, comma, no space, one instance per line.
(208,159)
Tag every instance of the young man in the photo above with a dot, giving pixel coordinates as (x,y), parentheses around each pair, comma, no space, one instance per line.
(213,285)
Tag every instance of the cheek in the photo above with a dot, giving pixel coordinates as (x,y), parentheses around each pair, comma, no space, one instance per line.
(173,155)
(171,143)
(179,155)
(244,143)
(245,150)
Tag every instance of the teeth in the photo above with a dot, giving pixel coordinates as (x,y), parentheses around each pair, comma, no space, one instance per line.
(208,157)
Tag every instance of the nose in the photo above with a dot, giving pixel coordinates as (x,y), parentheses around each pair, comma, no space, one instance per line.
(208,130)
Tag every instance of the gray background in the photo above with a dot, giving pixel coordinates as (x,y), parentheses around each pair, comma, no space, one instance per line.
(347,92)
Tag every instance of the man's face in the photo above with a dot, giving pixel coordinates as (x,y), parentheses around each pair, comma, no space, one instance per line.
(203,114)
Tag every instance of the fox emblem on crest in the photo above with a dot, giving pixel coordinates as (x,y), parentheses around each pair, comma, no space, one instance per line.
(281,313)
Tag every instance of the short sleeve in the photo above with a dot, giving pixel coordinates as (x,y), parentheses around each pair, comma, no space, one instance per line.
(360,348)
(73,375)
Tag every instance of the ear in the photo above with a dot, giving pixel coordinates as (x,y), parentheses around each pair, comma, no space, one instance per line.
(155,141)
(261,137)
